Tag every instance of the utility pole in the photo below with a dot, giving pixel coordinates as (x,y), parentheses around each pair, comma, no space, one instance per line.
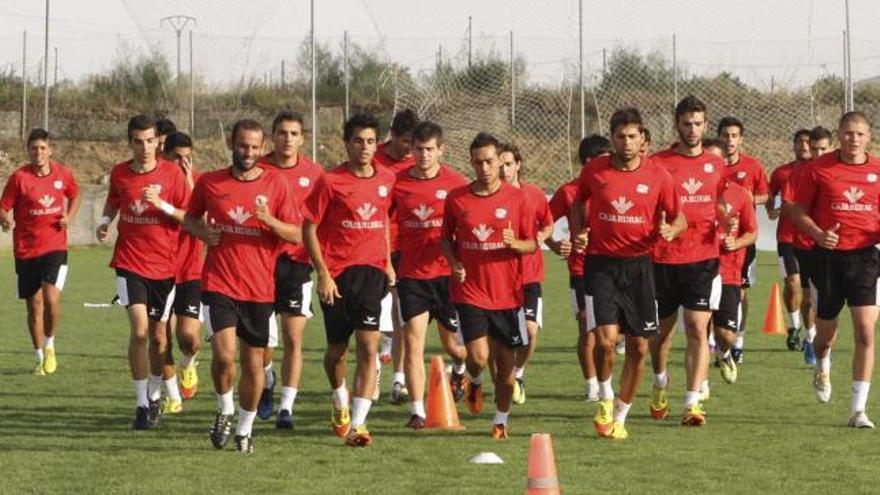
(192,89)
(345,72)
(314,85)
(512,84)
(55,78)
(470,39)
(179,23)
(46,72)
(24,122)
(583,109)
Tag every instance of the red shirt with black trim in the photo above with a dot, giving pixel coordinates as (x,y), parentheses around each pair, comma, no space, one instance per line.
(395,166)
(785,229)
(191,253)
(302,178)
(475,224)
(834,192)
(735,202)
(37,205)
(800,240)
(352,216)
(533,264)
(625,206)
(148,239)
(242,265)
(561,206)
(749,173)
(418,205)
(699,181)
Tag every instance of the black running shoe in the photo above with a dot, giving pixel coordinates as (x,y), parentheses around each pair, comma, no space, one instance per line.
(244,444)
(221,430)
(141,418)
(284,420)
(155,413)
(456,382)
(737,354)
(793,339)
(415,422)
(265,407)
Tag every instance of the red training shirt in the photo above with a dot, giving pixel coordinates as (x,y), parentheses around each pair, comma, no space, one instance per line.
(749,173)
(533,264)
(785,229)
(735,202)
(190,253)
(560,206)
(800,240)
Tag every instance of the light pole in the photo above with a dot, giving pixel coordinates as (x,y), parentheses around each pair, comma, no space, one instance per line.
(179,23)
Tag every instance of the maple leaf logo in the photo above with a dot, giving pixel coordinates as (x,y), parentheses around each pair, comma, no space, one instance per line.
(423,212)
(692,186)
(46,201)
(622,205)
(482,232)
(138,207)
(853,194)
(239,214)
(366,211)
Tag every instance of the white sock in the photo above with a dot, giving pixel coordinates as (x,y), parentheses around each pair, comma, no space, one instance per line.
(661,380)
(154,387)
(592,386)
(417,407)
(794,318)
(712,340)
(811,334)
(739,340)
(225,403)
(704,385)
(270,377)
(605,390)
(340,396)
(691,398)
(621,409)
(360,409)
(859,396)
(500,417)
(39,355)
(49,342)
(476,380)
(140,393)
(518,372)
(823,365)
(245,422)
(186,361)
(171,390)
(386,344)
(459,369)
(397,377)
(288,395)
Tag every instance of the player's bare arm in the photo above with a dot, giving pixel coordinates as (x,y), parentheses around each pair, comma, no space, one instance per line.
(151,196)
(199,228)
(103,231)
(327,290)
(389,267)
(826,239)
(458,271)
(6,220)
(521,246)
(287,232)
(669,231)
(72,209)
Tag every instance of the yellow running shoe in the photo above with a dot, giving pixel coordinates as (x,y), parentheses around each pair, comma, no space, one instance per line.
(519,397)
(170,406)
(694,416)
(659,404)
(340,419)
(618,431)
(359,437)
(38,369)
(50,364)
(189,380)
(603,419)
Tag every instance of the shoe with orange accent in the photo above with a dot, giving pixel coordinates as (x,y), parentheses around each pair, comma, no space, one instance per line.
(189,380)
(359,437)
(473,395)
(659,404)
(340,418)
(603,419)
(499,432)
(694,416)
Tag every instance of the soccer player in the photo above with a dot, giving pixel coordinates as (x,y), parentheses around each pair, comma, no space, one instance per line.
(293,271)
(835,203)
(792,294)
(39,203)
(561,205)
(488,227)
(533,264)
(646,142)
(686,271)
(346,234)
(630,199)
(418,201)
(749,173)
(241,212)
(146,191)
(164,128)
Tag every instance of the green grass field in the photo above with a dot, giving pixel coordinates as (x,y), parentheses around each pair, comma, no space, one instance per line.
(70,432)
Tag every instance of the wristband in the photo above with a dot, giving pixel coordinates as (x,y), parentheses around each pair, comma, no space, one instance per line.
(167,208)
(105,220)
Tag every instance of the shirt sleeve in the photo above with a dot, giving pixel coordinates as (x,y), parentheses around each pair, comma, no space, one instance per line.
(317,202)
(10,193)
(804,189)
(71,189)
(748,221)
(179,197)
(761,185)
(583,189)
(775,182)
(668,201)
(542,212)
(448,229)
(287,207)
(112,194)
(527,222)
(196,207)
(558,206)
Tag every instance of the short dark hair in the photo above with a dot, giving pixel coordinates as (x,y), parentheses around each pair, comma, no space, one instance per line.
(709,142)
(177,140)
(730,122)
(482,140)
(362,121)
(38,134)
(819,133)
(646,133)
(140,122)
(689,104)
(245,125)
(854,116)
(404,122)
(287,116)
(164,127)
(592,146)
(513,150)
(623,117)
(427,130)
(800,132)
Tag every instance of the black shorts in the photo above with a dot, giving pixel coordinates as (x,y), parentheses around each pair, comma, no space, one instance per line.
(418,296)
(507,326)
(695,286)
(805,263)
(533,304)
(578,293)
(788,262)
(157,295)
(32,273)
(620,291)
(844,277)
(729,313)
(254,322)
(293,287)
(360,308)
(749,274)
(188,299)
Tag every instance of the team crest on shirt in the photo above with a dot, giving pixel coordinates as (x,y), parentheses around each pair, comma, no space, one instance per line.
(239,215)
(304,182)
(47,200)
(366,211)
(261,200)
(59,184)
(482,232)
(156,187)
(642,189)
(440,194)
(852,195)
(138,207)
(708,168)
(383,191)
(500,213)
(741,175)
(872,178)
(622,205)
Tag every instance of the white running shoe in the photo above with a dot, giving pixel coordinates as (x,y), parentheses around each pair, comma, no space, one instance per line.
(822,386)
(860,420)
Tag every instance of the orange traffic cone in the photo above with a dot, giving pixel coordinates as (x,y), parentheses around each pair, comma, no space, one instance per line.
(441,410)
(542,467)
(774,322)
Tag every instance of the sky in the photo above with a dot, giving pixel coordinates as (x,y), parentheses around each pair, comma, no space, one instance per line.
(784,41)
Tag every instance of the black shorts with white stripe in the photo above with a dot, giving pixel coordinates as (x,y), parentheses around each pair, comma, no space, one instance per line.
(805,265)
(849,277)
(533,303)
(293,287)
(620,291)
(749,274)
(729,313)
(788,262)
(254,322)
(695,286)
(157,295)
(32,273)
(363,289)
(507,326)
(188,299)
(418,296)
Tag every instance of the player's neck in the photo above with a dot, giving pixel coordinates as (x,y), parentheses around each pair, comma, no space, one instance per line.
(489,189)
(733,158)
(284,161)
(627,165)
(430,173)
(248,175)
(360,169)
(42,170)
(683,149)
(391,153)
(856,159)
(515,183)
(143,167)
